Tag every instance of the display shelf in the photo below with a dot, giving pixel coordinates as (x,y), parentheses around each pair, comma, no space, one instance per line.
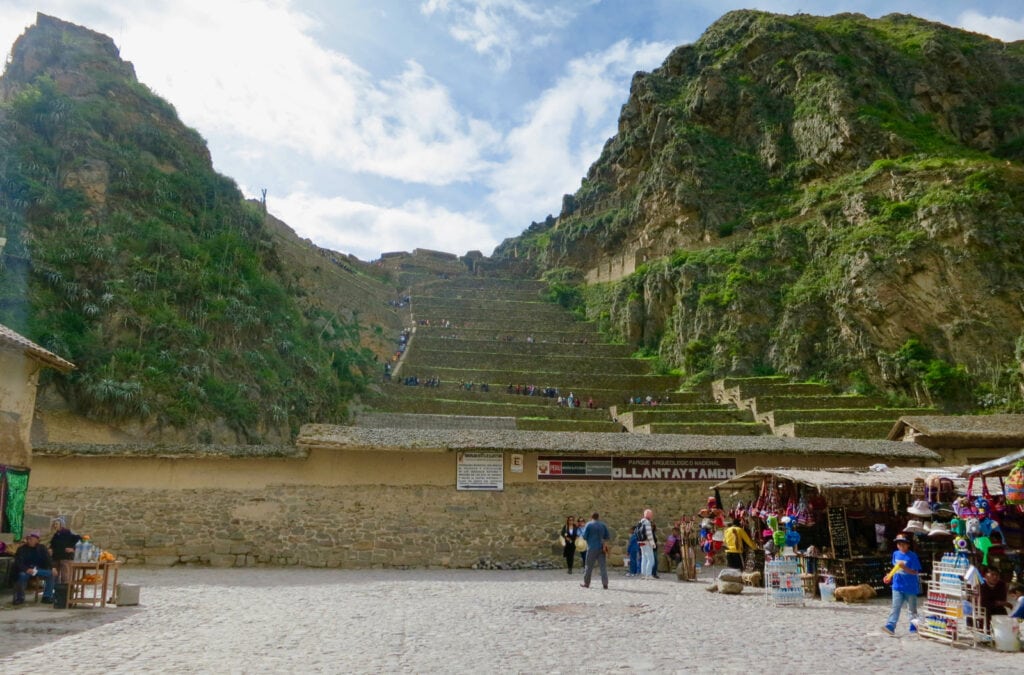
(952,611)
(782,582)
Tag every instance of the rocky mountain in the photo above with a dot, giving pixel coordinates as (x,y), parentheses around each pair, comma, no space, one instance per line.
(827,197)
(191,313)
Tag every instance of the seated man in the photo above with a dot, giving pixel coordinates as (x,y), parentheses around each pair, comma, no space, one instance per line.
(32,560)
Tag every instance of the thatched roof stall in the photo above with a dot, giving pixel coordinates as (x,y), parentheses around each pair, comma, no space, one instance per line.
(859,479)
(849,516)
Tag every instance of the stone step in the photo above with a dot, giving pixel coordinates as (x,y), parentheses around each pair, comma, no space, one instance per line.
(426,359)
(851,429)
(506,324)
(707,429)
(496,294)
(534,306)
(436,339)
(577,333)
(763,404)
(744,392)
(472,283)
(603,398)
(579,383)
(513,329)
(376,420)
(586,426)
(719,415)
(439,406)
(774,418)
(676,400)
(718,387)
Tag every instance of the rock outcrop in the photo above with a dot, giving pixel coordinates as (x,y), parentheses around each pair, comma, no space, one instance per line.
(804,195)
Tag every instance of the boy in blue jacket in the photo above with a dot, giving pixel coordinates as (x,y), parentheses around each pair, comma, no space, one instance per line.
(905,583)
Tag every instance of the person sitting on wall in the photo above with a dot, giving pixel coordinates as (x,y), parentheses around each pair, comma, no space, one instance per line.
(62,547)
(32,560)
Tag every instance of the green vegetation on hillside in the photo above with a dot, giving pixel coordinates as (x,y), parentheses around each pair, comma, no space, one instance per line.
(129,256)
(804,195)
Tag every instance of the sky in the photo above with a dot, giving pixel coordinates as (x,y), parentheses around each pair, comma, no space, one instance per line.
(390,125)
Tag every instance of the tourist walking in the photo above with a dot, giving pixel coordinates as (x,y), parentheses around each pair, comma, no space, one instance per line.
(645,537)
(568,538)
(581,547)
(905,583)
(597,536)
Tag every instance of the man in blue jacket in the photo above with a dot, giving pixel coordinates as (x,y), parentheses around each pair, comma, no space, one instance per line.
(32,560)
(597,535)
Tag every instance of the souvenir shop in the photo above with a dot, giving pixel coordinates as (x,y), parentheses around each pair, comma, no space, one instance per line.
(966,595)
(840,523)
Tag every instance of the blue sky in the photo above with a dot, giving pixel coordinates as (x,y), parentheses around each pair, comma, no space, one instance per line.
(384,125)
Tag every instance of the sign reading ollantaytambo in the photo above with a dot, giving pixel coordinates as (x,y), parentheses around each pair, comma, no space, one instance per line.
(635,468)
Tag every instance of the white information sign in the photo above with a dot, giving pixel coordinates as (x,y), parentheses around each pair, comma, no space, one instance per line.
(480,471)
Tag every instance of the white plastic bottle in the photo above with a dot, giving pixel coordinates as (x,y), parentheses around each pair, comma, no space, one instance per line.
(80,551)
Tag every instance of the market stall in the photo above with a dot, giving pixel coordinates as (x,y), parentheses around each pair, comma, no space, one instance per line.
(841,522)
(998,485)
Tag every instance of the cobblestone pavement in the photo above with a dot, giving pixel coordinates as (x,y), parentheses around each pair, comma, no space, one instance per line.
(428,621)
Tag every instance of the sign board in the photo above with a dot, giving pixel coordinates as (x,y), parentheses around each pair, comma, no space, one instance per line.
(515,463)
(480,471)
(635,468)
(839,532)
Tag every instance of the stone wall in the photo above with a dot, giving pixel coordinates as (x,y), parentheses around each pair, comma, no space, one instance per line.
(356,526)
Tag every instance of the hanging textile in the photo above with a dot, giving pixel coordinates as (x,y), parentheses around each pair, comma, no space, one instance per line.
(17,488)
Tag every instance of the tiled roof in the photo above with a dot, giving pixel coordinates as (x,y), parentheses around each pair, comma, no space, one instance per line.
(935,431)
(11,340)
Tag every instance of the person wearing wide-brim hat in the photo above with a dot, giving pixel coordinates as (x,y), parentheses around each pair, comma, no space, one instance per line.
(905,583)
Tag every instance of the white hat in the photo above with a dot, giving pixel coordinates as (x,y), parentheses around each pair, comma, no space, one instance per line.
(920,508)
(915,526)
(940,530)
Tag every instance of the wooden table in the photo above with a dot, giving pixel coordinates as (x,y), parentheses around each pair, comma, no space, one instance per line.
(92,593)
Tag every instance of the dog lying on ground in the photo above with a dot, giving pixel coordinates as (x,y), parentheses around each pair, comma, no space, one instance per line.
(859,593)
(752,579)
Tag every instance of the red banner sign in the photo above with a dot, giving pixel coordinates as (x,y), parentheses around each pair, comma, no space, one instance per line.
(635,468)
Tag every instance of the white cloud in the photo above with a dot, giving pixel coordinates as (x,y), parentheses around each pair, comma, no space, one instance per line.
(568,125)
(499,28)
(1001,27)
(252,74)
(366,230)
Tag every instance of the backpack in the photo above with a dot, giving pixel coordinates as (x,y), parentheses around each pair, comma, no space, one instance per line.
(639,531)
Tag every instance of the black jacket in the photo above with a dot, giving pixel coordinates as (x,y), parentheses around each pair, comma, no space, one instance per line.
(63,539)
(32,556)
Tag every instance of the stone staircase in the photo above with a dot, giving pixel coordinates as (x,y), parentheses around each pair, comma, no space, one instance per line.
(501,333)
(499,351)
(807,409)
